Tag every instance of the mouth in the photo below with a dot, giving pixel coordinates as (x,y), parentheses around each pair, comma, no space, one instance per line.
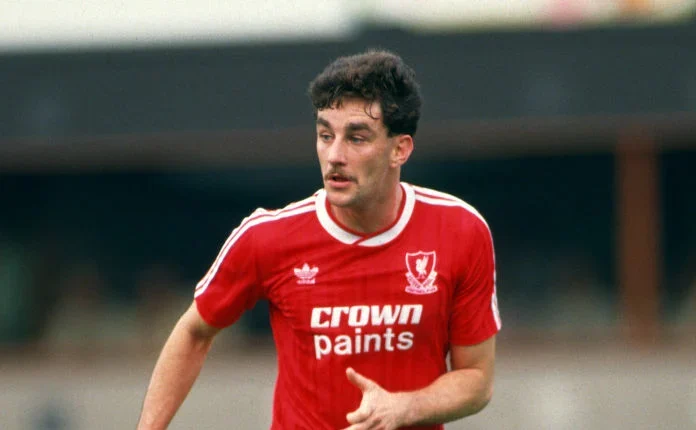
(337,177)
(338,180)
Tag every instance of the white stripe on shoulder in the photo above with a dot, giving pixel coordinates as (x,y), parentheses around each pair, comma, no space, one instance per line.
(259,216)
(290,206)
(434,193)
(438,198)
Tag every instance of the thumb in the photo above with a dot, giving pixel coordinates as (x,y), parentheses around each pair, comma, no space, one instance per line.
(358,380)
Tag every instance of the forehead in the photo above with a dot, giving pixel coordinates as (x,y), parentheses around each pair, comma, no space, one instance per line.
(352,110)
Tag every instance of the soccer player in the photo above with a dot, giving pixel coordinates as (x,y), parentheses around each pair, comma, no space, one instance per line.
(372,282)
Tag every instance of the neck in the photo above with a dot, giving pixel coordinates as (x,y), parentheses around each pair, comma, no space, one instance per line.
(376,215)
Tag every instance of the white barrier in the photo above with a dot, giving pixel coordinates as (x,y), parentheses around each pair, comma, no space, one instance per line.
(547,389)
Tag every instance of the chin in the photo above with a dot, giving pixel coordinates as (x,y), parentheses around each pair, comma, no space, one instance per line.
(338,199)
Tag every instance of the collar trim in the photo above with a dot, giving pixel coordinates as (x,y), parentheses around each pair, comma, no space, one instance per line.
(342,235)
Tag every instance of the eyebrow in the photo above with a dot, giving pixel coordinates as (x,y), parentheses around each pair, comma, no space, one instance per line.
(359,126)
(350,127)
(322,121)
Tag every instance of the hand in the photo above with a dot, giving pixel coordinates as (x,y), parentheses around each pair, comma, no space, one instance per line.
(379,409)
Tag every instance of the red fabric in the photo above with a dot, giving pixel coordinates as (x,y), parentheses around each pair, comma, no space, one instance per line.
(335,304)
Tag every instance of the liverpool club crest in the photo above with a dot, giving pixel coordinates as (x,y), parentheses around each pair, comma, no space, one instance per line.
(421,272)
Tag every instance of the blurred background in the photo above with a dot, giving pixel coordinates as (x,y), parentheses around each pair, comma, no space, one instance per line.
(134,136)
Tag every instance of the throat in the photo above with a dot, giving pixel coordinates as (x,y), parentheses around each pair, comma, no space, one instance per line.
(373,218)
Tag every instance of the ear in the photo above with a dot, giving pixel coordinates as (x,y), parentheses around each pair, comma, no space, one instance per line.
(403,147)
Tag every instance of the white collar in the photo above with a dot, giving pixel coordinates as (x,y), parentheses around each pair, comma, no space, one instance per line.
(342,235)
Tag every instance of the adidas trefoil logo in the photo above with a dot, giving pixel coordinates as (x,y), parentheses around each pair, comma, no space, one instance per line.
(306,275)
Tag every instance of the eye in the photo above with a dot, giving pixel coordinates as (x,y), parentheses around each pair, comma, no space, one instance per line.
(357,140)
(325,137)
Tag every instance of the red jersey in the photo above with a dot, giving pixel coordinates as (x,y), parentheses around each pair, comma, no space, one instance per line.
(389,304)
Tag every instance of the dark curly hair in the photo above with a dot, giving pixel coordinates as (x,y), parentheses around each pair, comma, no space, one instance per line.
(375,75)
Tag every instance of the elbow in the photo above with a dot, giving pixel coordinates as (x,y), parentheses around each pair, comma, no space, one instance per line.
(486,397)
(485,392)
(481,401)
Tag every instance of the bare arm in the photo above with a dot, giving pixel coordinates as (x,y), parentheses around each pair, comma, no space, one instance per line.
(176,370)
(463,391)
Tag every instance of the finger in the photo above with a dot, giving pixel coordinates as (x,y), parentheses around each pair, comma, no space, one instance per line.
(358,380)
(359,415)
(360,426)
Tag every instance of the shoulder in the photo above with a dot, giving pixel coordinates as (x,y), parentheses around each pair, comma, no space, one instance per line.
(264,226)
(449,206)
(277,219)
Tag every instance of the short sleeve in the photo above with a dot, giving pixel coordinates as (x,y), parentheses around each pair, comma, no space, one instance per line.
(232,284)
(475,315)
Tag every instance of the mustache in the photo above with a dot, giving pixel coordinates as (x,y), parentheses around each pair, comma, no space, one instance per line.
(334,172)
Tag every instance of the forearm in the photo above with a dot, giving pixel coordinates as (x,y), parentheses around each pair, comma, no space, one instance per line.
(452,396)
(176,370)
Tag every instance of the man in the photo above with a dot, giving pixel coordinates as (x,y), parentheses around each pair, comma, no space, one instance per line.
(371,282)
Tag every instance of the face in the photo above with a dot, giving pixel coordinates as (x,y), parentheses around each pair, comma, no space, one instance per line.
(360,163)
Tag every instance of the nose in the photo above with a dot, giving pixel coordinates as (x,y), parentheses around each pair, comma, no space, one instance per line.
(336,152)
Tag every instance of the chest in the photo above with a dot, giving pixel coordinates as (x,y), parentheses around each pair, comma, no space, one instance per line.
(336,288)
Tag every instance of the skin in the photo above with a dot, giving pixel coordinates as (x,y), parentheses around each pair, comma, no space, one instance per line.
(463,391)
(176,370)
(353,143)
